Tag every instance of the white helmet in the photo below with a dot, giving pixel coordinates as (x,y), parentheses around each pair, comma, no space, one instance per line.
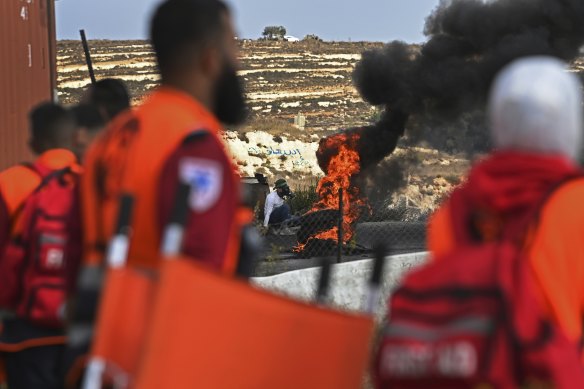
(536,106)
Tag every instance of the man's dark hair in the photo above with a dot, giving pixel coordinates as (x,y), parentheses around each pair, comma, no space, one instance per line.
(50,124)
(88,116)
(183,27)
(111,95)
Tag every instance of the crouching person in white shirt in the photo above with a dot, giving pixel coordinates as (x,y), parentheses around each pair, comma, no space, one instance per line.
(276,211)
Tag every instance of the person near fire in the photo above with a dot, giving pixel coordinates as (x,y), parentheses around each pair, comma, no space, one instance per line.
(535,111)
(174,136)
(276,211)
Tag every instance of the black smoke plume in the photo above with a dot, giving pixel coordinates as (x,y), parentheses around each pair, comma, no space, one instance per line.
(469,41)
(375,142)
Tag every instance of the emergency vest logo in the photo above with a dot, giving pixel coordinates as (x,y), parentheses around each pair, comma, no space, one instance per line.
(206,180)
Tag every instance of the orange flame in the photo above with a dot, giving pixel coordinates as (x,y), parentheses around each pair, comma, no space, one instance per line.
(341,168)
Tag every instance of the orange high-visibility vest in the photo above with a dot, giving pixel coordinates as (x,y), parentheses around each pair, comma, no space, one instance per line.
(129,158)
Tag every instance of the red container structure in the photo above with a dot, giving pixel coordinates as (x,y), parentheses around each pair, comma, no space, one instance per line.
(27,70)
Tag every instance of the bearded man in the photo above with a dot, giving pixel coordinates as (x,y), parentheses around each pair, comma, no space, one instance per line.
(173,137)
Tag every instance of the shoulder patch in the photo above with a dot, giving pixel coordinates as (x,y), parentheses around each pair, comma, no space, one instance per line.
(205,177)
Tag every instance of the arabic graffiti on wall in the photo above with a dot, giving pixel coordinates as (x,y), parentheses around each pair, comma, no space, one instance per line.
(268,151)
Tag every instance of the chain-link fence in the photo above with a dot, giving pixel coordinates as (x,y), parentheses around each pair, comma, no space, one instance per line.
(348,232)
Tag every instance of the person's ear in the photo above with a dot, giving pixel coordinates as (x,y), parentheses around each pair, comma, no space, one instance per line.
(80,137)
(212,62)
(104,114)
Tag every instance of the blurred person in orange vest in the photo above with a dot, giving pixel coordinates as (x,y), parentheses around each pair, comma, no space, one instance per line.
(32,352)
(109,95)
(175,135)
(535,111)
(52,130)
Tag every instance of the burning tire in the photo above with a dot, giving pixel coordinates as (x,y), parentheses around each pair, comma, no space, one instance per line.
(316,222)
(319,248)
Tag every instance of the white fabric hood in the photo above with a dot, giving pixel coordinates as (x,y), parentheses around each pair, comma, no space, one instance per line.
(536,106)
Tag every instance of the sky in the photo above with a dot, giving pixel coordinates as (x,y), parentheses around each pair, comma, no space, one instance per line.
(340,20)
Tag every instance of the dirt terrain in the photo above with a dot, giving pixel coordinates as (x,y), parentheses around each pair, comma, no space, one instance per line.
(283,80)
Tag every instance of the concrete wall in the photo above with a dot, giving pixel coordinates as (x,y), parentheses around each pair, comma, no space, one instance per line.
(348,281)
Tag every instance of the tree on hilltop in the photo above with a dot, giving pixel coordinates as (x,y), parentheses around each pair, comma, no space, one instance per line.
(313,38)
(274,32)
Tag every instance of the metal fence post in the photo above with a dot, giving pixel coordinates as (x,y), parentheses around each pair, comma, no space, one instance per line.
(340,228)
(87,56)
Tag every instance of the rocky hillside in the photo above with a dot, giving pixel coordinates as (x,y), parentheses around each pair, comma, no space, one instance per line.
(283,81)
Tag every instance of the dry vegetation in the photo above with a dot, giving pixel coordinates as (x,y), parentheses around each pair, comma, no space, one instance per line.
(284,80)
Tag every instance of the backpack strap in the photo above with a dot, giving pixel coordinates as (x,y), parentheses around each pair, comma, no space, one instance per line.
(44,172)
(52,176)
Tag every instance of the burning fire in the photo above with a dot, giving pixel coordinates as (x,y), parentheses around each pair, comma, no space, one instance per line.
(341,168)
